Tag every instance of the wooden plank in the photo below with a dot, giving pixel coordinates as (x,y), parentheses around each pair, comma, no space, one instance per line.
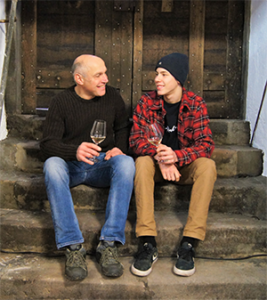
(196,46)
(167,6)
(115,79)
(103,32)
(233,101)
(126,59)
(29,56)
(74,36)
(124,5)
(138,53)
(66,8)
(54,78)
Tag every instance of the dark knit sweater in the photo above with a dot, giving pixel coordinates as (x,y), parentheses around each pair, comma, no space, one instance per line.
(70,119)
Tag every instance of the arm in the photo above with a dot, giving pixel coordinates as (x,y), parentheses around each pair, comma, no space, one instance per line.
(138,140)
(54,128)
(201,143)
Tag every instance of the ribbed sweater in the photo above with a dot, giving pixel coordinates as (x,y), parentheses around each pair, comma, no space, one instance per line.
(70,118)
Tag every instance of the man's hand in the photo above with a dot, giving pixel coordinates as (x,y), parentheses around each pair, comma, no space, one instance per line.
(166,155)
(86,151)
(169,172)
(113,152)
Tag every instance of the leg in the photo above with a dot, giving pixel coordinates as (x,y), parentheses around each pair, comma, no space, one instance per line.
(146,172)
(57,181)
(120,193)
(118,173)
(202,173)
(144,184)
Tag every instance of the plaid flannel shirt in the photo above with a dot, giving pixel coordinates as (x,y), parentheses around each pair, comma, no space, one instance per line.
(193,132)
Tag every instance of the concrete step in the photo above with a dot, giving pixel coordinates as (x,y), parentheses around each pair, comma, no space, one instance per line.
(21,155)
(231,161)
(235,195)
(225,132)
(34,276)
(228,235)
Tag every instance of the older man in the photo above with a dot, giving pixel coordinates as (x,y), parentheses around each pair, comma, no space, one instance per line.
(69,150)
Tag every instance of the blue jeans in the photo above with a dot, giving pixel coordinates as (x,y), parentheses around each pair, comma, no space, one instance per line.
(60,175)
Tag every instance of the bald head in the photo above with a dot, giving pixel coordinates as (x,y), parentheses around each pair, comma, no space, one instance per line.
(83,63)
(89,73)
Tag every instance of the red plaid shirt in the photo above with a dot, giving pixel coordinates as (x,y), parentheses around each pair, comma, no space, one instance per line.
(193,132)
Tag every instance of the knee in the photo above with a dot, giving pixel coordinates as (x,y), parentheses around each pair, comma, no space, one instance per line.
(206,167)
(125,165)
(144,164)
(55,168)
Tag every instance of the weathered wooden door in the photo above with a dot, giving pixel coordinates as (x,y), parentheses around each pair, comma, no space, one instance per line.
(131,36)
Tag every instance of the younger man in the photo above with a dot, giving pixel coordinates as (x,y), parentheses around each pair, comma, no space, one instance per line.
(183,156)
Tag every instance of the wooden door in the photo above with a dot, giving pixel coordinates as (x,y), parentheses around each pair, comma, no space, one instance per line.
(131,36)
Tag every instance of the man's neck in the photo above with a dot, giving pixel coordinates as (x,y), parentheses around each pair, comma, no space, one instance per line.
(80,92)
(174,97)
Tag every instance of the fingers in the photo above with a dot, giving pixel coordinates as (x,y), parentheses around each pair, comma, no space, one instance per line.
(166,155)
(86,151)
(113,152)
(169,172)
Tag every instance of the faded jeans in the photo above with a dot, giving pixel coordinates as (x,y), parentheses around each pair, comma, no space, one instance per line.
(60,175)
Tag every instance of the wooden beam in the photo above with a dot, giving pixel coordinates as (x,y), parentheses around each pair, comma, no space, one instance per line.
(29,56)
(233,95)
(103,32)
(196,46)
(138,53)
(167,6)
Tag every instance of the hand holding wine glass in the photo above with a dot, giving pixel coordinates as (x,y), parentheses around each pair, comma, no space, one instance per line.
(98,133)
(154,135)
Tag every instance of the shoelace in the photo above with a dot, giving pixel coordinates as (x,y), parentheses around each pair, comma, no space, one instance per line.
(186,253)
(109,255)
(144,252)
(75,258)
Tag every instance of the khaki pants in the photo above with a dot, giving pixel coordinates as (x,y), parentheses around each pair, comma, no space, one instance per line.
(201,173)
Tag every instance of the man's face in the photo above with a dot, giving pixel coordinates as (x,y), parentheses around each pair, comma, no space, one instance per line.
(95,79)
(166,84)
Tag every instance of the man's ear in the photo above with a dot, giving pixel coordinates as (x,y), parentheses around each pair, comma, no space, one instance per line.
(78,79)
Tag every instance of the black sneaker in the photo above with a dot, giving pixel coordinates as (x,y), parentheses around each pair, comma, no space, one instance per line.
(185,265)
(146,256)
(107,257)
(75,267)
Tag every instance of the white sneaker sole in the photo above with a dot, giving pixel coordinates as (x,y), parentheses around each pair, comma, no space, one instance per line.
(142,273)
(184,273)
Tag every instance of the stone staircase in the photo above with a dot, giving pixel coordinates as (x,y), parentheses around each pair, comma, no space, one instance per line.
(32,268)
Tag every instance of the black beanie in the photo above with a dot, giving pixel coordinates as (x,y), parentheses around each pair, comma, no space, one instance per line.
(176,64)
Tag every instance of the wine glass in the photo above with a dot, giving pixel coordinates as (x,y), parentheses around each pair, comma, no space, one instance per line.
(154,135)
(98,134)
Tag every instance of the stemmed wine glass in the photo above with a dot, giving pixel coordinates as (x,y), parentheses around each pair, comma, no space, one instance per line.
(98,134)
(154,135)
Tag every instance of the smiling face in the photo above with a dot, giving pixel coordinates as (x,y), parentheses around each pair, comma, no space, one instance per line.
(166,84)
(90,76)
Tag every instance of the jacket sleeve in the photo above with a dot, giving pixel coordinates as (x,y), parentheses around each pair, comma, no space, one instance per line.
(138,141)
(201,144)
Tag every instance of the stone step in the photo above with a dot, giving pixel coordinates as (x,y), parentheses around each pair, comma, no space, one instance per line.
(228,235)
(34,276)
(235,195)
(231,161)
(225,131)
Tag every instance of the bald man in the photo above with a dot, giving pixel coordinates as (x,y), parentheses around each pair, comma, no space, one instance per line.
(69,152)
